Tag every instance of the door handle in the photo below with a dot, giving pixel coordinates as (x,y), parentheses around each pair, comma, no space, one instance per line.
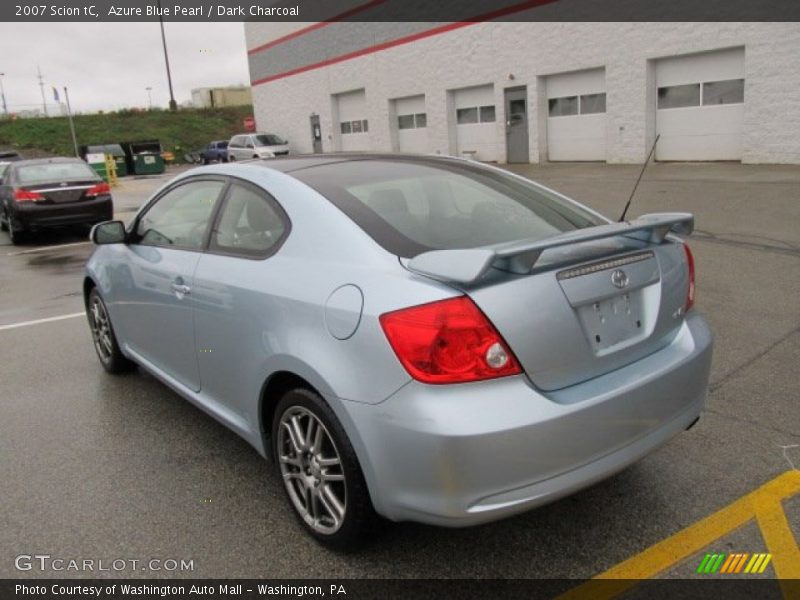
(183,290)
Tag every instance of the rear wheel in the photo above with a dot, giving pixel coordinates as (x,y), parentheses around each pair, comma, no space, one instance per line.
(320,471)
(16,234)
(231,158)
(3,220)
(105,342)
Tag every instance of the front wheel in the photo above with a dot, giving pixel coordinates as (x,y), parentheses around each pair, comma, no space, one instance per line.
(320,471)
(105,342)
(231,158)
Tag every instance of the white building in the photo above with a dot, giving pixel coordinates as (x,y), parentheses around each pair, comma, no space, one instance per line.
(531,92)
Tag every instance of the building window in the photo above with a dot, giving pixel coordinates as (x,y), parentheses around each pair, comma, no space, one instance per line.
(563,107)
(475,114)
(412,121)
(357,126)
(487,114)
(466,116)
(591,104)
(723,92)
(679,96)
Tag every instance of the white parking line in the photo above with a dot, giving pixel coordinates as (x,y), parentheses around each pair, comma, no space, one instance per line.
(47,248)
(38,321)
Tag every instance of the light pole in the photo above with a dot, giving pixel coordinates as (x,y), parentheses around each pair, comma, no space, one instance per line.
(172,104)
(3,94)
(71,123)
(149,98)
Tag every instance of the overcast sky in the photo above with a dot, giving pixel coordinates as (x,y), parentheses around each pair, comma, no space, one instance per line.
(108,65)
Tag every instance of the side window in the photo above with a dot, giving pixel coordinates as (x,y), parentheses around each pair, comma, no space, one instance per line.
(236,142)
(180,217)
(248,142)
(250,223)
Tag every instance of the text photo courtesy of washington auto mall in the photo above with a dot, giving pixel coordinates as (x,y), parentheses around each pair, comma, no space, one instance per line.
(374,299)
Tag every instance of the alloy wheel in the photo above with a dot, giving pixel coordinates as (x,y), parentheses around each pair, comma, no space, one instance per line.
(312,470)
(101,329)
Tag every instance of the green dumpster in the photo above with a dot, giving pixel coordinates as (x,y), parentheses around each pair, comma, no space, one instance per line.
(114,150)
(148,163)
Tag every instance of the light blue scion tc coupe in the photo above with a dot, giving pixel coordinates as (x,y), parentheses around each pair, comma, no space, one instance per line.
(421,338)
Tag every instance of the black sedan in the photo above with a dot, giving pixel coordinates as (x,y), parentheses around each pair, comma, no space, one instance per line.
(51,192)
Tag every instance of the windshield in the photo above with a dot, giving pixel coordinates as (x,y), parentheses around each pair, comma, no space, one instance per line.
(54,172)
(268,139)
(411,207)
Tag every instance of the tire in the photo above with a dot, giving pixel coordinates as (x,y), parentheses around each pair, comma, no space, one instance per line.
(105,341)
(205,160)
(16,235)
(322,479)
(3,220)
(231,158)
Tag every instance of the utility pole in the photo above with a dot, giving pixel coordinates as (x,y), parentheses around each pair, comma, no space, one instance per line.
(41,87)
(173,106)
(71,123)
(3,94)
(149,98)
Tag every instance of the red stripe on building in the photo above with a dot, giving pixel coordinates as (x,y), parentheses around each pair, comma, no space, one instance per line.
(495,14)
(315,26)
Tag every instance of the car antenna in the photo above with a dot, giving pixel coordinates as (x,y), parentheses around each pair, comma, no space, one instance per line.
(644,166)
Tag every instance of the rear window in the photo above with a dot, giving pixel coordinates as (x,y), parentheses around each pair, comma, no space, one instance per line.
(47,172)
(412,207)
(269,140)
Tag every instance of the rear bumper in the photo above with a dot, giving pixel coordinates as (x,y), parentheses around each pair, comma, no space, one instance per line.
(468,454)
(32,216)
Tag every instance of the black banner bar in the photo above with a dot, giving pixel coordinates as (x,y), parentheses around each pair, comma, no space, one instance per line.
(397,10)
(732,588)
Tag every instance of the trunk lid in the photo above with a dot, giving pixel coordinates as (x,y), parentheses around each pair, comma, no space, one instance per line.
(584,308)
(62,192)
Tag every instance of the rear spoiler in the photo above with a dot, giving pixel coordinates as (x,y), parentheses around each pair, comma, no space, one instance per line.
(470,264)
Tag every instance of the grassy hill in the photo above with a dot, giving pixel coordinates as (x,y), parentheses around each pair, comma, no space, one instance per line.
(187,129)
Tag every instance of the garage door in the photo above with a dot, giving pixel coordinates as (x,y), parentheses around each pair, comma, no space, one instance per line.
(353,124)
(576,116)
(412,124)
(700,106)
(476,130)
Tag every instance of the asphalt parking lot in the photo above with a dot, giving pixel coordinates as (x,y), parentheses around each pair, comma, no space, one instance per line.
(95,466)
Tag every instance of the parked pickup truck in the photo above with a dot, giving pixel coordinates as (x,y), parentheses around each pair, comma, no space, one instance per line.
(215,152)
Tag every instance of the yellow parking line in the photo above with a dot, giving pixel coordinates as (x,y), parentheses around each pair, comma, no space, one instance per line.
(781,543)
(764,504)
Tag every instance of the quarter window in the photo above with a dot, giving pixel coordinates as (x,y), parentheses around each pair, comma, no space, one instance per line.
(180,217)
(249,224)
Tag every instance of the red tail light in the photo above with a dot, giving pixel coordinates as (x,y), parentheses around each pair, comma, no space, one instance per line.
(690,292)
(22,195)
(100,188)
(450,341)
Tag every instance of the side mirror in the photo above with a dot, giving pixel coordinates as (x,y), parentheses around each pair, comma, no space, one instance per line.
(108,232)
